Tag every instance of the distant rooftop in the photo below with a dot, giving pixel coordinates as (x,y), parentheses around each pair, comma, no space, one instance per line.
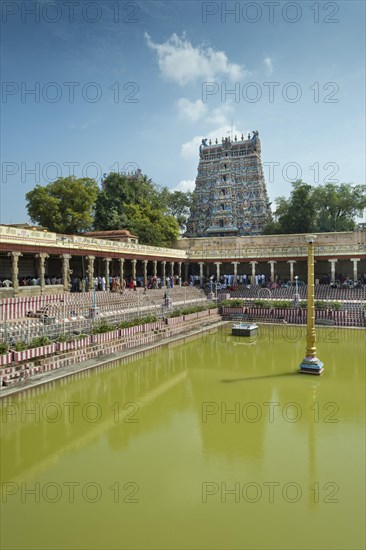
(113,235)
(27,226)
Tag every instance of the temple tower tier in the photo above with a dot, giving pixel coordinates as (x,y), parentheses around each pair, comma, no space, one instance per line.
(230,193)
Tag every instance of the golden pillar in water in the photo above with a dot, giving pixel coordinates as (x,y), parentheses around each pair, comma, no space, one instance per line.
(311,364)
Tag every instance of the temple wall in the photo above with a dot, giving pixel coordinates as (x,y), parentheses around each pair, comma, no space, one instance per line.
(350,243)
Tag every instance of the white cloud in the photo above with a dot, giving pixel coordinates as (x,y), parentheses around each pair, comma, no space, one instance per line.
(193,110)
(269,65)
(181,62)
(190,149)
(184,185)
(220,115)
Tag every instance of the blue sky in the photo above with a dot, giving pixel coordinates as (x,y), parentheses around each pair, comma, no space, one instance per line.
(120,85)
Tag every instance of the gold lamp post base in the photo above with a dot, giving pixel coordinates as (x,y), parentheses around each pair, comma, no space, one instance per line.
(311,365)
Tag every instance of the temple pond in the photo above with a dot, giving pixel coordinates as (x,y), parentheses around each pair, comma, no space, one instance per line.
(215,442)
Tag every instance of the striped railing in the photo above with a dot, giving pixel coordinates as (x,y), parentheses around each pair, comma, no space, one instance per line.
(129,338)
(32,353)
(298,316)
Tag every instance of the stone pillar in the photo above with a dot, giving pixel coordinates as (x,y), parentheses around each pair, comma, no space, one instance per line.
(272,264)
(186,266)
(155,268)
(15,270)
(180,273)
(122,270)
(145,271)
(235,264)
(355,274)
(163,266)
(106,271)
(291,262)
(252,280)
(217,264)
(90,272)
(134,262)
(172,269)
(42,269)
(66,271)
(201,264)
(332,270)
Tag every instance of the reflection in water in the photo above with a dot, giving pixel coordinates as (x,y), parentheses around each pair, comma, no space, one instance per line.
(249,378)
(212,410)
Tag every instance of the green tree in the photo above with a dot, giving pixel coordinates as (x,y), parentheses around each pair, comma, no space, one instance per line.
(138,205)
(295,214)
(151,225)
(272,227)
(65,205)
(179,205)
(338,206)
(320,209)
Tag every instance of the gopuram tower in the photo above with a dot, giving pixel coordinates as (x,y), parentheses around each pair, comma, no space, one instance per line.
(230,194)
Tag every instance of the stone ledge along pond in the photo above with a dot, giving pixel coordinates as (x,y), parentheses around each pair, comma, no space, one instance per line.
(214,442)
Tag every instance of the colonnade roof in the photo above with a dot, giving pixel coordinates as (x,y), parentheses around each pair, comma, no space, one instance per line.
(277,247)
(54,243)
(264,247)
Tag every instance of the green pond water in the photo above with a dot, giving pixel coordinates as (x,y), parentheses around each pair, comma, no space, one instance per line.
(216,442)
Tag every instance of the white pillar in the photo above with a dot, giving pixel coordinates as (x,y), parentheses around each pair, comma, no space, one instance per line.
(291,262)
(145,271)
(90,272)
(155,268)
(163,264)
(272,264)
(172,269)
(66,271)
(201,264)
(217,264)
(15,270)
(355,274)
(121,270)
(235,264)
(253,272)
(42,269)
(332,270)
(134,262)
(180,273)
(106,271)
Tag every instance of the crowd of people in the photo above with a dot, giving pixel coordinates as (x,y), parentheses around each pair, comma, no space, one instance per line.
(264,281)
(343,281)
(32,281)
(228,281)
(79,283)
(115,284)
